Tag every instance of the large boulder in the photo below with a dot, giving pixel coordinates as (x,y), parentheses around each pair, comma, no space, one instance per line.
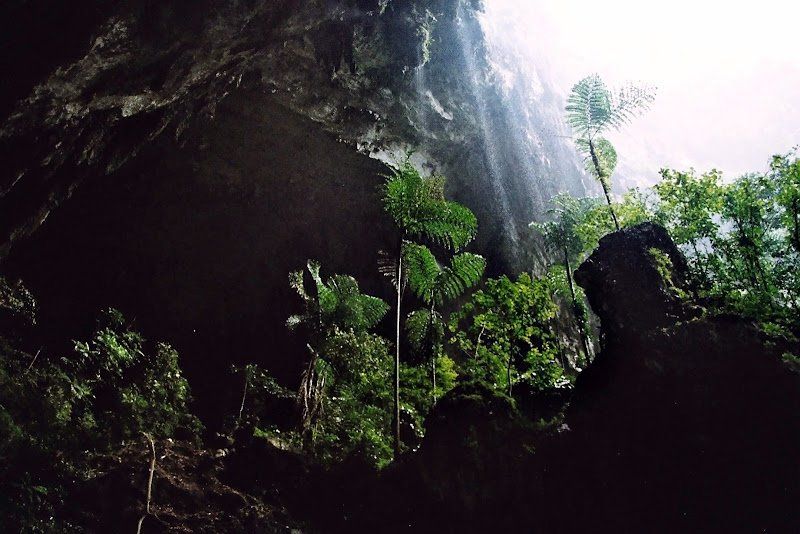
(635,279)
(686,421)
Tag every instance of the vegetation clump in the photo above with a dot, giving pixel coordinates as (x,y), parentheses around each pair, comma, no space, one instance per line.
(111,388)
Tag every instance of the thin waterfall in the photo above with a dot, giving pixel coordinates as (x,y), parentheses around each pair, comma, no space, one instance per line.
(468,49)
(534,109)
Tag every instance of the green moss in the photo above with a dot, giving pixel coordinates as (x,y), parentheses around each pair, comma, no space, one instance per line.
(663,265)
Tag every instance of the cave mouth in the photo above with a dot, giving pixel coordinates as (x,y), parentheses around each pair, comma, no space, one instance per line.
(194,242)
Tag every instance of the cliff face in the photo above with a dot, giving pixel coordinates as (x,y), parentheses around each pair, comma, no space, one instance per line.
(177,160)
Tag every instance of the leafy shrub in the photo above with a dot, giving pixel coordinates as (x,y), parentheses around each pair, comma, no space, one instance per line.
(504,331)
(121,391)
(55,412)
(16,302)
(356,416)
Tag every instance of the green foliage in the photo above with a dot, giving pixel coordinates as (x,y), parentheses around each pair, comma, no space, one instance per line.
(689,206)
(592,109)
(417,395)
(16,301)
(561,234)
(665,268)
(424,330)
(345,391)
(739,237)
(338,303)
(111,389)
(504,334)
(421,213)
(260,393)
(120,390)
(435,284)
(600,158)
(562,289)
(596,221)
(785,174)
(56,412)
(792,361)
(356,414)
(418,208)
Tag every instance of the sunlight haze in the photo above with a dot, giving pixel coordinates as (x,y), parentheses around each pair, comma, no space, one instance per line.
(727,73)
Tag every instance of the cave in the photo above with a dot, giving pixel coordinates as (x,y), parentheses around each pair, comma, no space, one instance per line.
(194,241)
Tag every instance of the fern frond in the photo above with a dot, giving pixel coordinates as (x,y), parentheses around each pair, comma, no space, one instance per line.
(589,107)
(630,102)
(326,299)
(465,271)
(354,309)
(422,269)
(417,326)
(606,157)
(387,266)
(373,310)
(297,283)
(419,209)
(592,108)
(451,225)
(424,329)
(339,303)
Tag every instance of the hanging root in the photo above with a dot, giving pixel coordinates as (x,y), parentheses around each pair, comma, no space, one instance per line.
(312,385)
(149,482)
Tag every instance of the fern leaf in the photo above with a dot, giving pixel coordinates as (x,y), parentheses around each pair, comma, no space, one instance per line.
(606,157)
(296,282)
(424,329)
(326,299)
(387,266)
(373,310)
(592,108)
(422,269)
(465,271)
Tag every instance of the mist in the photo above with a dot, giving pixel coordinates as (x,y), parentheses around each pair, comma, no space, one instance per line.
(727,74)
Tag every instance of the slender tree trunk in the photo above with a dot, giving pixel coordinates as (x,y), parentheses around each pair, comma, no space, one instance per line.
(796,217)
(433,351)
(579,320)
(610,205)
(147,511)
(310,388)
(433,368)
(508,374)
(396,422)
(602,177)
(244,397)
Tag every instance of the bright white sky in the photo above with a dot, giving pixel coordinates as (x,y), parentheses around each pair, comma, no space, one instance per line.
(727,73)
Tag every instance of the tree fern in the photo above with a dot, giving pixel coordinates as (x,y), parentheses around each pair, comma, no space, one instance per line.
(422,269)
(600,157)
(420,211)
(333,306)
(593,109)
